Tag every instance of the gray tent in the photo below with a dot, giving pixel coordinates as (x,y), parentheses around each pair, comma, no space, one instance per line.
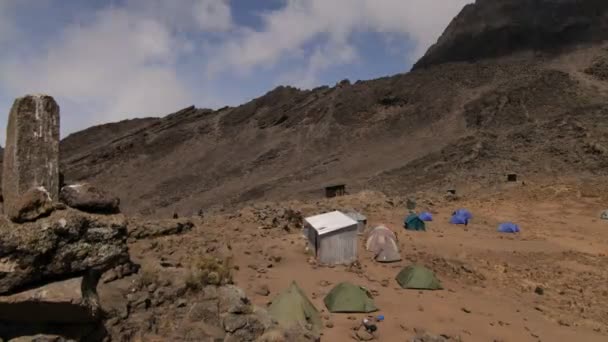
(379,237)
(388,254)
(383,243)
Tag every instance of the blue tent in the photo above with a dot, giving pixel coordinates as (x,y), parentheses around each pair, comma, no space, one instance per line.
(508,227)
(464,213)
(459,219)
(426,216)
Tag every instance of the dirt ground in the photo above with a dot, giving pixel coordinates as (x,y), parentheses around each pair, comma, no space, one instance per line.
(490,279)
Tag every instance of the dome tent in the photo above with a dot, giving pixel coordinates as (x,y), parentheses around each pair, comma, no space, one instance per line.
(461,216)
(412,222)
(426,216)
(349,298)
(379,237)
(291,307)
(419,278)
(383,242)
(508,227)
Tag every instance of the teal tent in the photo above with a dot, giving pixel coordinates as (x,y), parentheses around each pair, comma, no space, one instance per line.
(413,222)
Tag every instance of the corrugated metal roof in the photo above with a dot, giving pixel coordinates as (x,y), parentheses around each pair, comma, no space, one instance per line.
(330,222)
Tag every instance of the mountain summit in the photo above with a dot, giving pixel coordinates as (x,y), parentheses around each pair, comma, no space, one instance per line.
(495,28)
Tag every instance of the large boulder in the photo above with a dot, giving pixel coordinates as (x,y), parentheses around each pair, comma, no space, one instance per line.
(66,244)
(69,308)
(58,303)
(32,205)
(31,155)
(88,198)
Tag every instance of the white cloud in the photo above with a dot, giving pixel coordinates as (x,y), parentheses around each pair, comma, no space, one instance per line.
(300,22)
(119,58)
(121,64)
(213,15)
(126,60)
(184,15)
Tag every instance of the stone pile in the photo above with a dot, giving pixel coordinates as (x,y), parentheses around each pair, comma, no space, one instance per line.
(51,256)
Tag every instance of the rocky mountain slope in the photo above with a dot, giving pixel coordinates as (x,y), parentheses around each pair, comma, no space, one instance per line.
(445,123)
(490,28)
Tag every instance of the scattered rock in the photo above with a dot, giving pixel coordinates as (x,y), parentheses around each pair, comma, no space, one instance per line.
(181,303)
(466,310)
(329,324)
(90,199)
(424,337)
(539,291)
(262,290)
(233,300)
(41,338)
(363,335)
(33,204)
(155,228)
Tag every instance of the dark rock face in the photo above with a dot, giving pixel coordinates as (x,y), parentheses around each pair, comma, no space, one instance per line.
(31,156)
(90,199)
(66,244)
(32,205)
(493,28)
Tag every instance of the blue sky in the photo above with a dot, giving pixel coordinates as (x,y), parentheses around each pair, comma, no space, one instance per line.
(108,60)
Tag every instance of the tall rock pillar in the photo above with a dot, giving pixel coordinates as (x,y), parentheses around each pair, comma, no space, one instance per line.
(31,154)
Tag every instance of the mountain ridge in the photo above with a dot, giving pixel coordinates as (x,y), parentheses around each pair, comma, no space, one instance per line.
(438,126)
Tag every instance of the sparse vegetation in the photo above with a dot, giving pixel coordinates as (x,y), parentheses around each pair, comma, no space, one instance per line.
(209,270)
(148,275)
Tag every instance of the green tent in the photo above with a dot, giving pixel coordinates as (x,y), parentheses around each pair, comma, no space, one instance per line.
(292,308)
(413,222)
(419,278)
(348,298)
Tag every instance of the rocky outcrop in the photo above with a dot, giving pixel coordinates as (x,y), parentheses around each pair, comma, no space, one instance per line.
(68,301)
(490,28)
(66,244)
(90,199)
(145,229)
(32,205)
(31,156)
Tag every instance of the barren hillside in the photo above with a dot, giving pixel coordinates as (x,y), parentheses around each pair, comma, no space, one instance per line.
(527,111)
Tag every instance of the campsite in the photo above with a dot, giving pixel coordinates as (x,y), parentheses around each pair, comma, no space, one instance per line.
(304,171)
(544,283)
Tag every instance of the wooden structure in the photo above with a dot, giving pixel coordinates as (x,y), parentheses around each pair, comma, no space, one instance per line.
(335,190)
(332,238)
